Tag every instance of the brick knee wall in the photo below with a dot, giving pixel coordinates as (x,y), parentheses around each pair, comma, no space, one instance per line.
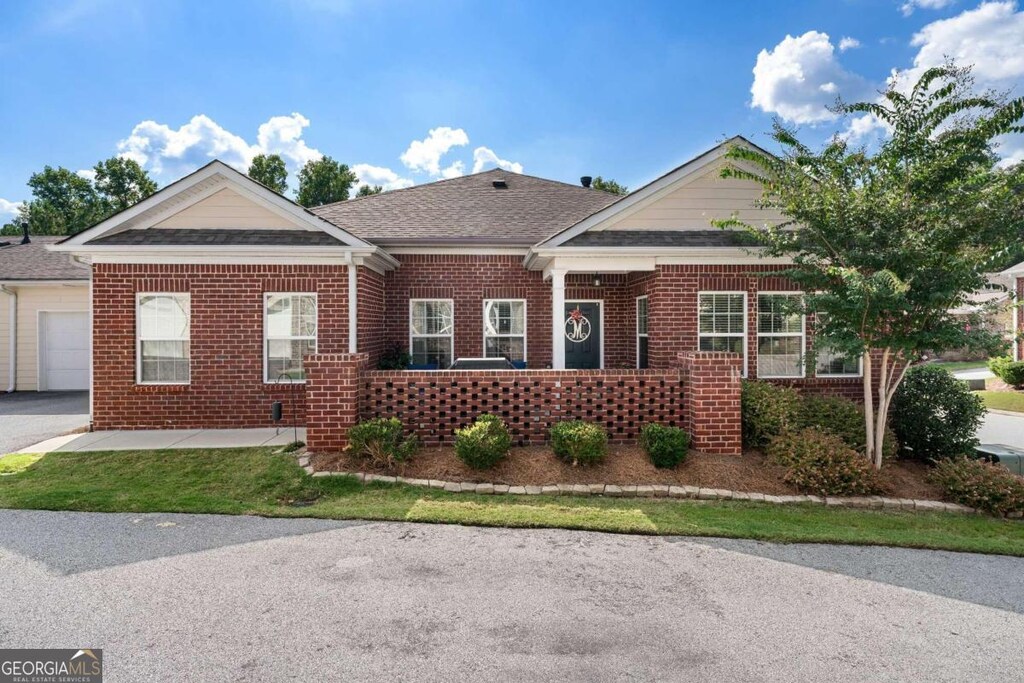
(713,400)
(333,398)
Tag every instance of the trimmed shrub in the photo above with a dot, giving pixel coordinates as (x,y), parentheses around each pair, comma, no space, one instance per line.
(767,410)
(666,446)
(980,485)
(579,442)
(382,442)
(844,418)
(934,415)
(1009,370)
(482,444)
(823,464)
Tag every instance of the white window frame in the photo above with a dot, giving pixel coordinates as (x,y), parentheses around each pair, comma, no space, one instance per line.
(526,319)
(267,338)
(138,337)
(746,316)
(803,335)
(451,336)
(645,335)
(836,375)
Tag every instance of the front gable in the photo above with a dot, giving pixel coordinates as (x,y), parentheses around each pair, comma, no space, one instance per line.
(227,209)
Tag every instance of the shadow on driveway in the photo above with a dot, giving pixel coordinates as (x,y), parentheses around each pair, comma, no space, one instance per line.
(28,417)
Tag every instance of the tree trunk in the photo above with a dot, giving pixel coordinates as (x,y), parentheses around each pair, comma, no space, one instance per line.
(869,412)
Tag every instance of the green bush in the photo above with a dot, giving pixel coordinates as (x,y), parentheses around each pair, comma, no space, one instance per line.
(579,442)
(394,358)
(934,415)
(823,464)
(1008,370)
(381,441)
(844,418)
(767,411)
(665,446)
(482,444)
(980,485)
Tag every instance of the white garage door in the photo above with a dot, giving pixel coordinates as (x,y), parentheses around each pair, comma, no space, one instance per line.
(64,351)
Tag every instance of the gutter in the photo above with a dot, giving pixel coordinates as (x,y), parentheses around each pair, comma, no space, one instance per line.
(13,341)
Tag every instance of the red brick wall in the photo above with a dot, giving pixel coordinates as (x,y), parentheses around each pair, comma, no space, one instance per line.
(333,398)
(227,388)
(371,325)
(713,401)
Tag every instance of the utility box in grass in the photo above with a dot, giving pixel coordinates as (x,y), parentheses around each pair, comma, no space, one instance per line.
(1009,457)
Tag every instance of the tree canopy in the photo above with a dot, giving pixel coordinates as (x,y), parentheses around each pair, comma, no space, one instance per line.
(270,170)
(608,185)
(884,242)
(367,190)
(121,182)
(324,181)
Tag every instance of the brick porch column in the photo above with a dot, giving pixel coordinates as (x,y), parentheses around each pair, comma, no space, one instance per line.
(332,398)
(711,382)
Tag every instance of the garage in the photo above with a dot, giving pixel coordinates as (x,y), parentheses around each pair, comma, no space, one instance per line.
(63,351)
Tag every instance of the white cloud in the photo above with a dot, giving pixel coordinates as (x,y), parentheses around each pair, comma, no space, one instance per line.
(379,175)
(483,156)
(87,173)
(9,209)
(848,43)
(175,152)
(800,77)
(453,171)
(425,155)
(910,5)
(283,135)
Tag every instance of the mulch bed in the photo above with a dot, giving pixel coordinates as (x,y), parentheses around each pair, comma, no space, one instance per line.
(624,465)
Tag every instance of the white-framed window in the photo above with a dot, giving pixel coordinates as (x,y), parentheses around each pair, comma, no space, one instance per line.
(289,334)
(162,332)
(642,317)
(829,362)
(722,323)
(781,335)
(432,332)
(505,329)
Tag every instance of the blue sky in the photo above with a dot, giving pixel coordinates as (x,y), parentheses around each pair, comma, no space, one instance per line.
(556,89)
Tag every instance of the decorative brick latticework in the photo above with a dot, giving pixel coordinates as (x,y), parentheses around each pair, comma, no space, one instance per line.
(713,400)
(226,388)
(333,398)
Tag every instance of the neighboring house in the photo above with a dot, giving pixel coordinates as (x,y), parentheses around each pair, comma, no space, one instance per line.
(44,317)
(1017,273)
(208,295)
(993,306)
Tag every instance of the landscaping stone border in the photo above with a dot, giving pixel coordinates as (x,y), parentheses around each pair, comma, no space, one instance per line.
(649,491)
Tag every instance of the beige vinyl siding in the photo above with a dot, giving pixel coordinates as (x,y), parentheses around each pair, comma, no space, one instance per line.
(5,358)
(226,209)
(697,202)
(31,300)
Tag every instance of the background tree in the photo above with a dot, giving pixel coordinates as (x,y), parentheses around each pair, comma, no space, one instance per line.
(367,190)
(324,181)
(270,170)
(62,203)
(885,243)
(121,182)
(609,185)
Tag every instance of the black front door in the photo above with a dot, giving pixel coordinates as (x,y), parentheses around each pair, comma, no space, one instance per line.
(582,331)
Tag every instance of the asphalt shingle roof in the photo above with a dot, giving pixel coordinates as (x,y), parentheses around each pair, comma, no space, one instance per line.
(660,238)
(468,209)
(219,236)
(33,262)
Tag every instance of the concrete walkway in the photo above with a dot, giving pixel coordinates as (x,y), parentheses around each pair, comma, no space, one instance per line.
(156,439)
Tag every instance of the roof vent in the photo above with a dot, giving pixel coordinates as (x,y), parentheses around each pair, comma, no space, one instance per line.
(500,183)
(585,181)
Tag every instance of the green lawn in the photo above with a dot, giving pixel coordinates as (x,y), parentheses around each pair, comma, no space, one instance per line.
(957,366)
(256,481)
(1003,400)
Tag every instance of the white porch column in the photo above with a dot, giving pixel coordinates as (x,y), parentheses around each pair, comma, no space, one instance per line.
(353,303)
(557,319)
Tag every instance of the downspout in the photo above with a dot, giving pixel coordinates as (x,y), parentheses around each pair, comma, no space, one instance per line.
(13,341)
(353,304)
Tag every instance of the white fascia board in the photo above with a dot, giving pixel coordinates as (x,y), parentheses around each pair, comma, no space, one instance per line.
(45,283)
(456,250)
(628,259)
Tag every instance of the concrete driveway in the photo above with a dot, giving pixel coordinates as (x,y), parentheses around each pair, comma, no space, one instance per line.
(28,417)
(179,597)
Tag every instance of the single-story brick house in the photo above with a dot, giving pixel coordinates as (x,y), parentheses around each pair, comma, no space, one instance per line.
(216,296)
(44,317)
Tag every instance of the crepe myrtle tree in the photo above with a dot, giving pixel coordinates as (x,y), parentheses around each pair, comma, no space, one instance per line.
(885,242)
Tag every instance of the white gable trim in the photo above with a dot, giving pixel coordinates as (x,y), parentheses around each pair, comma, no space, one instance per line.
(645,196)
(224,176)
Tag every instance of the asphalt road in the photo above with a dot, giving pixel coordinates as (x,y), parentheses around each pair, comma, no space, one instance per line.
(206,598)
(28,417)
(1002,428)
